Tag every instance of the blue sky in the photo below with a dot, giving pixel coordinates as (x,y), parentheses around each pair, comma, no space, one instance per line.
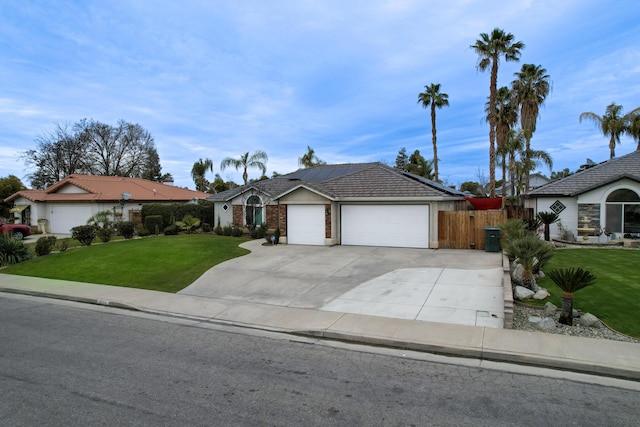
(211,79)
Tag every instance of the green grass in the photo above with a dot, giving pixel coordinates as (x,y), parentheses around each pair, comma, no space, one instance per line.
(163,263)
(615,297)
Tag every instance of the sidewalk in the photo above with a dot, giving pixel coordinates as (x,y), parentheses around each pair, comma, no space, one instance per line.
(587,355)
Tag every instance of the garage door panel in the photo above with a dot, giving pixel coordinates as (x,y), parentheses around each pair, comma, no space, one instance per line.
(385,225)
(65,217)
(305,224)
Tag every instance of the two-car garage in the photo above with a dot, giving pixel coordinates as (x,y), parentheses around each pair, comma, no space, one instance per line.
(404,226)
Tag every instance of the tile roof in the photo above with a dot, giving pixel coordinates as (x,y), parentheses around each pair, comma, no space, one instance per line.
(109,188)
(353,180)
(627,166)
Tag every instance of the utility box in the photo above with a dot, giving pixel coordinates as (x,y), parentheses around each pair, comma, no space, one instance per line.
(492,239)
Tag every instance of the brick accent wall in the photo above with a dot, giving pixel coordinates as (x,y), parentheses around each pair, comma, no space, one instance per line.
(327,222)
(237,215)
(272,216)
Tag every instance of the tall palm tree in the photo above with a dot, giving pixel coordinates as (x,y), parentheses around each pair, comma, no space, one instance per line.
(514,144)
(490,48)
(433,98)
(530,91)
(570,280)
(506,117)
(528,162)
(612,123)
(255,160)
(633,128)
(310,159)
(198,172)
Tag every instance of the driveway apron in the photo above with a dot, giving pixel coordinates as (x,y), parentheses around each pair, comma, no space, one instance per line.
(441,285)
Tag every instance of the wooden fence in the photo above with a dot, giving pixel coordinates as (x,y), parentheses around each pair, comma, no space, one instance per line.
(465,229)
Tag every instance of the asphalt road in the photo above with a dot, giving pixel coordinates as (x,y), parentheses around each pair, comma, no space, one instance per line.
(71,364)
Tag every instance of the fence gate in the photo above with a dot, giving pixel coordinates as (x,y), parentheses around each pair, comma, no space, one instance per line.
(465,229)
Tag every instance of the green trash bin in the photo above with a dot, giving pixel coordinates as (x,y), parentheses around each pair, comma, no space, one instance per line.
(492,239)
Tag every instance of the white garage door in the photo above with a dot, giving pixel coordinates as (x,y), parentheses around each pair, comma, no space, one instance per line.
(405,226)
(305,224)
(65,217)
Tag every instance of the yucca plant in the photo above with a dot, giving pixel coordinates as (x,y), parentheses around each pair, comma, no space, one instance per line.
(547,218)
(529,251)
(12,251)
(188,223)
(570,280)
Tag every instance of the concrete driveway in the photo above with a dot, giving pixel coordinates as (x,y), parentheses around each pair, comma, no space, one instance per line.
(443,285)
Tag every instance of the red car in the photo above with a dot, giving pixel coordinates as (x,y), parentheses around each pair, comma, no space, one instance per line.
(18,231)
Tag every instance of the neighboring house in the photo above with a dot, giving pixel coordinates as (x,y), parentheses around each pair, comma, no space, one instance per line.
(73,200)
(351,204)
(597,201)
(535,180)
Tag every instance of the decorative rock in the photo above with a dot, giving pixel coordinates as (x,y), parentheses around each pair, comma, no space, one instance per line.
(546,324)
(539,275)
(575,313)
(590,320)
(541,294)
(521,293)
(516,274)
(549,309)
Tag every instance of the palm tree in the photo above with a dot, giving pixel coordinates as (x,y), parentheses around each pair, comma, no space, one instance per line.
(547,218)
(198,172)
(490,48)
(506,115)
(432,97)
(255,160)
(633,128)
(530,91)
(309,159)
(528,250)
(570,281)
(514,144)
(528,162)
(612,123)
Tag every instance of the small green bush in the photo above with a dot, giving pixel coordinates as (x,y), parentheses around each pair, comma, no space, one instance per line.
(218,229)
(84,234)
(12,251)
(104,234)
(153,223)
(127,229)
(143,232)
(258,232)
(236,232)
(171,230)
(63,245)
(206,227)
(45,245)
(227,230)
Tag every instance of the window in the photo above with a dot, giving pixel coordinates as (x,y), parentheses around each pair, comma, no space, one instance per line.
(623,212)
(225,207)
(254,211)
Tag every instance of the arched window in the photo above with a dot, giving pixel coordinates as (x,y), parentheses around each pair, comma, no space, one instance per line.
(623,212)
(254,211)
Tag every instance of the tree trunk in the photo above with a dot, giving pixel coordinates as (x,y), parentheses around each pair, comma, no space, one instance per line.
(433,139)
(492,127)
(566,316)
(547,233)
(528,281)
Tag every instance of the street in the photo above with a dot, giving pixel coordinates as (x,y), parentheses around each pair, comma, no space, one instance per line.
(65,363)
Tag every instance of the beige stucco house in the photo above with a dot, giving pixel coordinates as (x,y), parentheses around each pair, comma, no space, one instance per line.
(351,204)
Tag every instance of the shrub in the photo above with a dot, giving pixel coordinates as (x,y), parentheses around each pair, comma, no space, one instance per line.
(227,230)
(127,229)
(63,245)
(153,224)
(143,232)
(258,232)
(530,251)
(218,230)
(275,235)
(84,234)
(171,230)
(188,223)
(236,231)
(45,245)
(206,227)
(104,234)
(12,251)
(101,219)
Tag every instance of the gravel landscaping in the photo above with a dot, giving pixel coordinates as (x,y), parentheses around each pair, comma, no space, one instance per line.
(521,314)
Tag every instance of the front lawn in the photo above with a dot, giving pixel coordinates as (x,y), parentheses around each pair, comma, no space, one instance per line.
(615,297)
(162,263)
